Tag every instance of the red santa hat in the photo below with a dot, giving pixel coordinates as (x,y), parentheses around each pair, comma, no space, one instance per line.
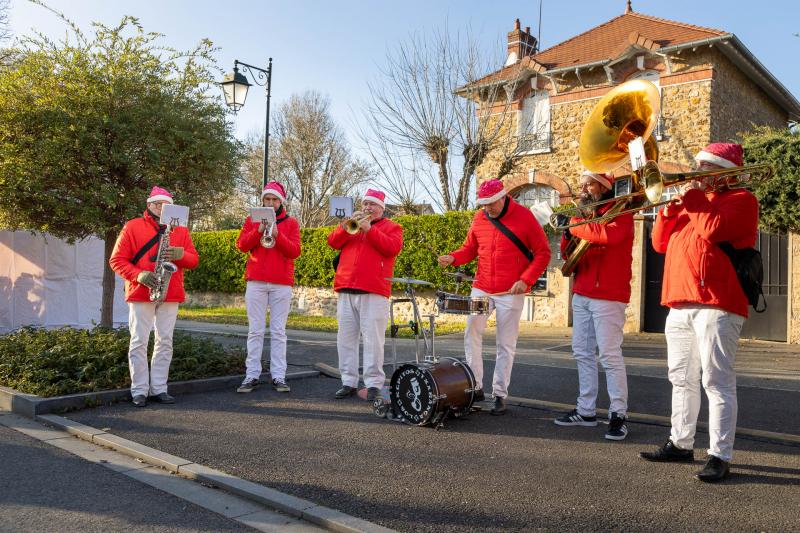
(725,155)
(275,189)
(375,196)
(159,194)
(490,191)
(606,180)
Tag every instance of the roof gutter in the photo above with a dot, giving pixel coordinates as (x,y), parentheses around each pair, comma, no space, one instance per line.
(743,58)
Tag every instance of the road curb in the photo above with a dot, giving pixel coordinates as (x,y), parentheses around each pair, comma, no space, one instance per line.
(330,519)
(644,418)
(31,405)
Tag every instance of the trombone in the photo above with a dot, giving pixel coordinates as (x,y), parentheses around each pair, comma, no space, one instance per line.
(625,113)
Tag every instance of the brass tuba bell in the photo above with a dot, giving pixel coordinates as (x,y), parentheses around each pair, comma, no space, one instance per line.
(628,111)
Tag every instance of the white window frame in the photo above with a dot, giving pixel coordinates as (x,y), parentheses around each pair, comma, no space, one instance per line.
(541,131)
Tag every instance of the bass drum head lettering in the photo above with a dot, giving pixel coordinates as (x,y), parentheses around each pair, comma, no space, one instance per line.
(413,392)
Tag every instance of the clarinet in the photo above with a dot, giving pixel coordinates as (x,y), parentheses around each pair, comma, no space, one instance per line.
(163,269)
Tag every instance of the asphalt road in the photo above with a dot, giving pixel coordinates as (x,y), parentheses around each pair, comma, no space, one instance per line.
(45,489)
(517,472)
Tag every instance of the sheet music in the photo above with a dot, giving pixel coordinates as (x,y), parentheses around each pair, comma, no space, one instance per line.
(340,206)
(257,214)
(178,215)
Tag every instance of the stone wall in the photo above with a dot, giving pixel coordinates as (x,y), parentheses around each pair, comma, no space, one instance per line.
(793,304)
(737,104)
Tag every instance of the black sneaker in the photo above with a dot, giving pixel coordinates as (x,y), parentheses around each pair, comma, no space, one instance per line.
(140,400)
(479,396)
(617,428)
(715,470)
(668,453)
(574,419)
(248,385)
(344,392)
(372,393)
(163,398)
(499,406)
(280,385)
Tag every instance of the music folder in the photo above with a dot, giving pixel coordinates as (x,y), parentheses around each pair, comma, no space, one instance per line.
(177,215)
(258,214)
(340,207)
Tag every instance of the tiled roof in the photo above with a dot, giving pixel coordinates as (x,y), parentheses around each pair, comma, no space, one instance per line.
(607,41)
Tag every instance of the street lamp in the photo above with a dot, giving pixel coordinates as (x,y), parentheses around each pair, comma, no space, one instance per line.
(235,87)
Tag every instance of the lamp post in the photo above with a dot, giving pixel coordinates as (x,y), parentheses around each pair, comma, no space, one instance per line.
(235,87)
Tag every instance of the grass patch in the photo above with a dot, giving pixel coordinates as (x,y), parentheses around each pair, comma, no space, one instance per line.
(68,361)
(238,315)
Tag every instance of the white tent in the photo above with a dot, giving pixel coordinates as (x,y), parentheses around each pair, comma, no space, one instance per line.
(46,282)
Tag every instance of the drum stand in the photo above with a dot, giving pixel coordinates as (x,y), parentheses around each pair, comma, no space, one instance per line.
(428,334)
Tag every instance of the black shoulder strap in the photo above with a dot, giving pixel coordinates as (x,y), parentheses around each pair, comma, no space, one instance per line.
(149,244)
(510,234)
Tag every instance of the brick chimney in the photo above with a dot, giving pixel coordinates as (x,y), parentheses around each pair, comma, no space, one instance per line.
(520,44)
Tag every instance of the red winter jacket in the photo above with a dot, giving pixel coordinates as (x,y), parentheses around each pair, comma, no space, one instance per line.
(500,262)
(604,271)
(367,258)
(271,265)
(696,270)
(134,235)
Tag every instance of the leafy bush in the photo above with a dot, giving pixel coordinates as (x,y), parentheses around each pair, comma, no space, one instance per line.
(68,361)
(778,197)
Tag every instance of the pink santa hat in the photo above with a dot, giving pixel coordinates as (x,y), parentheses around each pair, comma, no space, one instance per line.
(375,196)
(275,189)
(159,194)
(490,191)
(603,179)
(726,155)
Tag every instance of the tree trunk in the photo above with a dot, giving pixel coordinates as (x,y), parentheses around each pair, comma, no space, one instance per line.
(444,183)
(107,309)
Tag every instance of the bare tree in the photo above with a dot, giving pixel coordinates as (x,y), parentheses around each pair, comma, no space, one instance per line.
(5,32)
(427,103)
(312,158)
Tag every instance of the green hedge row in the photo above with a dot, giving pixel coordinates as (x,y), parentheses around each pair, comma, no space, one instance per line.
(221,266)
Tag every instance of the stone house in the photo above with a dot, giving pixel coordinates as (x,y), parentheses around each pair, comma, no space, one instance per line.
(712,89)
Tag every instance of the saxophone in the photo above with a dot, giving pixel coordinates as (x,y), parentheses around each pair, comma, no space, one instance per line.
(163,269)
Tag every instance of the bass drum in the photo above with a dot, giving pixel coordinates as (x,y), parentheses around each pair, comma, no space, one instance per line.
(422,394)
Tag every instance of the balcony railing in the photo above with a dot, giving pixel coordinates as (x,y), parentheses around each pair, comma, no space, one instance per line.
(533,143)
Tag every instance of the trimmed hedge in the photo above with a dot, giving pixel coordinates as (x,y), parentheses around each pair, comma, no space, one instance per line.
(425,237)
(221,267)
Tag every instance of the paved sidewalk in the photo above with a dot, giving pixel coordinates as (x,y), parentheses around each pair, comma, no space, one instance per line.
(483,473)
(46,489)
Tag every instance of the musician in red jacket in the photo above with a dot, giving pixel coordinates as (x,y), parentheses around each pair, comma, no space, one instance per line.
(133,259)
(506,271)
(270,277)
(601,292)
(366,260)
(707,308)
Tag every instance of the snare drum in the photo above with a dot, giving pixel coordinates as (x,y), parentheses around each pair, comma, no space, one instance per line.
(424,393)
(461,305)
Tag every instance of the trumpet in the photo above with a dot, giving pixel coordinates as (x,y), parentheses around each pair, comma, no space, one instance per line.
(352,225)
(267,240)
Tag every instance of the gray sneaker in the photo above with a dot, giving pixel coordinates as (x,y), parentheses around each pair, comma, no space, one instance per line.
(280,385)
(248,385)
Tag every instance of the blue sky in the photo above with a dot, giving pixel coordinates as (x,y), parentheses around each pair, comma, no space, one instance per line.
(337,46)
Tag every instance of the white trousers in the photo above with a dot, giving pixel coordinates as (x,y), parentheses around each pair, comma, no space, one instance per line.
(597,327)
(258,298)
(509,311)
(366,316)
(143,317)
(703,340)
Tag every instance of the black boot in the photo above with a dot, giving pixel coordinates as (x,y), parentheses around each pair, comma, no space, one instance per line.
(669,453)
(344,392)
